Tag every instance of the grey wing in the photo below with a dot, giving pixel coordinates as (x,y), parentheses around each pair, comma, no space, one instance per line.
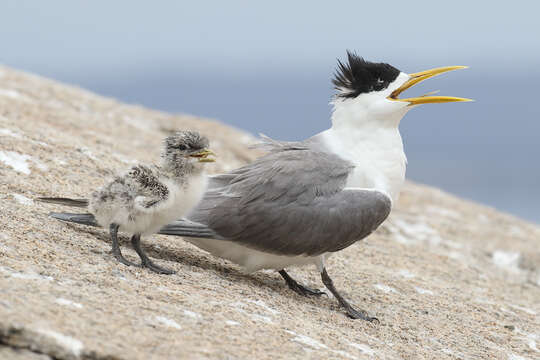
(290,203)
(328,224)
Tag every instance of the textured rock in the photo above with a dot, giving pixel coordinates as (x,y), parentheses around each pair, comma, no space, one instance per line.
(447,278)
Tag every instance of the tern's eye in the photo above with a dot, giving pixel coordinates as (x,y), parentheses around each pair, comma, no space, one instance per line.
(182,147)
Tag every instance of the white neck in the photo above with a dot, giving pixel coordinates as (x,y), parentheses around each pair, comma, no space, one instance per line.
(372,143)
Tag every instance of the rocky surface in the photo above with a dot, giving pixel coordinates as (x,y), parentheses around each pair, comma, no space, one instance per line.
(447,278)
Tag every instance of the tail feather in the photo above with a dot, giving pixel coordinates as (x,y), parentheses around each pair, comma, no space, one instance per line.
(84,219)
(189,229)
(65,201)
(178,228)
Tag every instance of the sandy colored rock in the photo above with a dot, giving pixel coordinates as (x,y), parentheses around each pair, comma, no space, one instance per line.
(447,278)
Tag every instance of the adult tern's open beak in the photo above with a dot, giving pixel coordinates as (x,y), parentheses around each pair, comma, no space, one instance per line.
(425,99)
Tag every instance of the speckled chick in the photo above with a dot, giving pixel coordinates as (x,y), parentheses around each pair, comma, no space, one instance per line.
(145,198)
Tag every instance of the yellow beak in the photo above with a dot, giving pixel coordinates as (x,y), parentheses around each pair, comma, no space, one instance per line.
(203,155)
(425,99)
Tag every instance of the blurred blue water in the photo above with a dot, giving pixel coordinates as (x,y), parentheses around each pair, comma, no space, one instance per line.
(487,151)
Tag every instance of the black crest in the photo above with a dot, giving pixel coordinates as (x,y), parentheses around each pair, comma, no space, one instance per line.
(359,76)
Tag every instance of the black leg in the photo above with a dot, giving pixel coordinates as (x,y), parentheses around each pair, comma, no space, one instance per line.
(145,260)
(116,247)
(299,288)
(351,312)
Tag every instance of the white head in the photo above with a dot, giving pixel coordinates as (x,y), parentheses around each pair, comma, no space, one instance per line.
(368,93)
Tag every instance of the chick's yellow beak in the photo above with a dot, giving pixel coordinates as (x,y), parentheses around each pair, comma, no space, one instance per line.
(203,155)
(425,99)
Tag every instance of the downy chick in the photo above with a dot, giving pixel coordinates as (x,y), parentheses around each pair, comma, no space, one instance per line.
(145,198)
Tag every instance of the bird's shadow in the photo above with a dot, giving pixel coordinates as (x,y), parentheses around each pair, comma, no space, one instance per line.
(199,259)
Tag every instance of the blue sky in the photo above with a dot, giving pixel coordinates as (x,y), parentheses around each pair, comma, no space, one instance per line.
(266,67)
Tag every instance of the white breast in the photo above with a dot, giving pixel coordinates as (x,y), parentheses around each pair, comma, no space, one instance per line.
(379,159)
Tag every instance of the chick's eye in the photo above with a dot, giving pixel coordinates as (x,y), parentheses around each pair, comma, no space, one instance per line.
(182,147)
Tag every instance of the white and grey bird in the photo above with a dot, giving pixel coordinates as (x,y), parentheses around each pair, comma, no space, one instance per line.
(306,200)
(145,198)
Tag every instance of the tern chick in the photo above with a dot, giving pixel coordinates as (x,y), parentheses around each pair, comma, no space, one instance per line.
(145,198)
